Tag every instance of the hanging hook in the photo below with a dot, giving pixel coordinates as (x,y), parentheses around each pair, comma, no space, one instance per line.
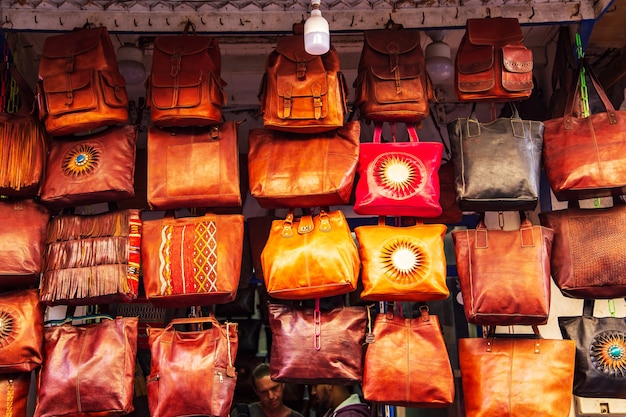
(423,17)
(221,23)
(149,22)
(60,21)
(488,13)
(456,16)
(35,16)
(115,23)
(389,23)
(202,20)
(135,22)
(167,21)
(532,14)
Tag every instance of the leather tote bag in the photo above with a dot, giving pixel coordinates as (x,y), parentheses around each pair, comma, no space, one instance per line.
(80,86)
(392,84)
(192,372)
(190,261)
(185,87)
(21,331)
(402,263)
(600,370)
(497,164)
(23,242)
(582,156)
(90,366)
(98,168)
(14,394)
(398,178)
(418,374)
(517,377)
(311,346)
(295,171)
(504,274)
(587,255)
(193,167)
(311,256)
(92,259)
(492,62)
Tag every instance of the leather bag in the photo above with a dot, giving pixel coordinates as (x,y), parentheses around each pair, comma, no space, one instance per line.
(492,62)
(98,168)
(600,370)
(517,377)
(21,331)
(185,86)
(91,367)
(311,256)
(302,93)
(191,261)
(310,346)
(504,274)
(92,259)
(418,373)
(22,244)
(192,372)
(193,167)
(450,211)
(582,156)
(399,178)
(80,87)
(508,181)
(392,84)
(402,263)
(14,394)
(588,252)
(295,171)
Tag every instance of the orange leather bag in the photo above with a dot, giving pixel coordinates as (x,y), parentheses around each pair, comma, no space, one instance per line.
(14,394)
(192,372)
(492,62)
(302,93)
(191,261)
(193,167)
(80,87)
(185,87)
(310,257)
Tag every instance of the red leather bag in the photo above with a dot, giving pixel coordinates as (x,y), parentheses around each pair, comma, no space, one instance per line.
(399,178)
(192,372)
(14,394)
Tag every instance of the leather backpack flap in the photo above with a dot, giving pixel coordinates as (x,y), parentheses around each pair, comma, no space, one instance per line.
(70,92)
(496,31)
(475,69)
(517,68)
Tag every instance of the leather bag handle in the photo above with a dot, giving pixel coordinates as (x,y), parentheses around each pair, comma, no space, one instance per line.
(378,132)
(473,126)
(526,232)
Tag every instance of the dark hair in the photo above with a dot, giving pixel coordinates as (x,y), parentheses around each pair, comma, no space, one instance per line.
(260,371)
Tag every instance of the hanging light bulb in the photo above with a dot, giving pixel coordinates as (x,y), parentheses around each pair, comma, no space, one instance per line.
(438,59)
(316,32)
(130,64)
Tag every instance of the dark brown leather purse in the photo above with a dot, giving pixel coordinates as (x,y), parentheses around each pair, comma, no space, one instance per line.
(80,87)
(14,394)
(492,63)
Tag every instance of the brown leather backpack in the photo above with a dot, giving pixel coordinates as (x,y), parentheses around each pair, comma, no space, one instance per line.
(80,87)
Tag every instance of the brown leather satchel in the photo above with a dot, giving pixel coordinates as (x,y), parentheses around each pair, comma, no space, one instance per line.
(14,394)
(21,331)
(193,167)
(392,84)
(95,169)
(22,244)
(192,372)
(192,261)
(80,87)
(302,93)
(91,367)
(492,63)
(185,86)
(298,171)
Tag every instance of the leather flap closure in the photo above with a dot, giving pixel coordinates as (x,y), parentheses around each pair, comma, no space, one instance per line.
(473,59)
(496,31)
(67,82)
(305,225)
(517,58)
(185,79)
(73,43)
(316,85)
(114,89)
(292,48)
(182,45)
(393,42)
(406,70)
(113,79)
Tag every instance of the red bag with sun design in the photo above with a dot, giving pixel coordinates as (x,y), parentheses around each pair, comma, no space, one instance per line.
(402,263)
(398,178)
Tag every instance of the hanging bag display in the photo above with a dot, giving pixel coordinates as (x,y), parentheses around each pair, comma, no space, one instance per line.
(600,370)
(193,167)
(392,84)
(185,87)
(191,261)
(80,87)
(497,164)
(492,62)
(504,274)
(192,372)
(398,178)
(418,373)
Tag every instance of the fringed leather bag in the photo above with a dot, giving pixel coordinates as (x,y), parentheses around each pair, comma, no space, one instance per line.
(92,259)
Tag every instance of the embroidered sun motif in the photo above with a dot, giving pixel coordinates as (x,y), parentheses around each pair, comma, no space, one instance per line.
(404,260)
(81,160)
(7,328)
(608,353)
(398,175)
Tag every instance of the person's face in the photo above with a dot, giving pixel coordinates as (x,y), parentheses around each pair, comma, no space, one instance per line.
(321,397)
(270,393)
